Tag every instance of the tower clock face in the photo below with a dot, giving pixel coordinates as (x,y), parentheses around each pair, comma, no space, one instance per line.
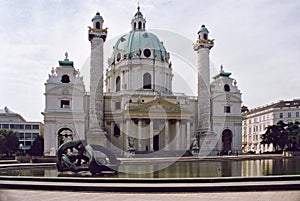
(227,98)
(65,91)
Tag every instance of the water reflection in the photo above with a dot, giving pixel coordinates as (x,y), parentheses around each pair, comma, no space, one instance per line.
(246,168)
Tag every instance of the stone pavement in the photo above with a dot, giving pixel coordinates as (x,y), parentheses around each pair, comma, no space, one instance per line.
(31,195)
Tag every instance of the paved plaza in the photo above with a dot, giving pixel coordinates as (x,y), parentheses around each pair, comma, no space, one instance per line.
(25,195)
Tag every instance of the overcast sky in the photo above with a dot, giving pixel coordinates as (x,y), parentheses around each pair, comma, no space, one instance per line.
(257,40)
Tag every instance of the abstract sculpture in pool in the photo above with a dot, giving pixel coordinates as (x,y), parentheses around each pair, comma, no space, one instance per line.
(77,155)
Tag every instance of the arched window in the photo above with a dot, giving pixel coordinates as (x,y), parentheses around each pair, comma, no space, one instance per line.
(147,81)
(134,26)
(117,131)
(65,79)
(226,87)
(205,36)
(118,83)
(140,25)
(98,25)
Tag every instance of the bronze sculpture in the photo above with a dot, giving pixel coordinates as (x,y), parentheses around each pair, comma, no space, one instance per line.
(77,155)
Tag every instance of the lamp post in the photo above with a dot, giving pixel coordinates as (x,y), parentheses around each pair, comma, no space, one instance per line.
(21,148)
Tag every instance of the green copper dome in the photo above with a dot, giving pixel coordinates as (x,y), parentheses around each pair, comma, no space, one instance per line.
(203,29)
(133,44)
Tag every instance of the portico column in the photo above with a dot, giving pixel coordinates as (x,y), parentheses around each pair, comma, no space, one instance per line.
(151,135)
(178,135)
(188,134)
(167,146)
(122,144)
(140,135)
(112,130)
(183,135)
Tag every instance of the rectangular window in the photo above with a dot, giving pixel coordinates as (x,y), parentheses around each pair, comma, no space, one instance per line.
(118,105)
(28,143)
(297,114)
(21,136)
(27,136)
(35,126)
(28,126)
(12,126)
(227,109)
(19,126)
(281,115)
(35,135)
(289,114)
(65,104)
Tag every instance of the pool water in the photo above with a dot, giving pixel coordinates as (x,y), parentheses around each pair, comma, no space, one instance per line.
(190,169)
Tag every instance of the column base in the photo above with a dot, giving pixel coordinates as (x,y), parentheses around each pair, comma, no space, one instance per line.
(97,136)
(208,141)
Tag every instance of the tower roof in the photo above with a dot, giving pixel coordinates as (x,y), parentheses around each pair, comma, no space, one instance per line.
(138,14)
(203,29)
(222,73)
(97,16)
(66,63)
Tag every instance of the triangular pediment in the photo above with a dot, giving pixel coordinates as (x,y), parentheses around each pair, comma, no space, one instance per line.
(157,105)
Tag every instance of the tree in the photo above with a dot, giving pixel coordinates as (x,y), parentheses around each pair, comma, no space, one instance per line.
(37,149)
(282,135)
(293,130)
(9,142)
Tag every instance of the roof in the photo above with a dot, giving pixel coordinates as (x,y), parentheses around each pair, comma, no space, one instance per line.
(203,28)
(7,113)
(5,110)
(279,104)
(138,14)
(134,41)
(97,16)
(222,73)
(66,64)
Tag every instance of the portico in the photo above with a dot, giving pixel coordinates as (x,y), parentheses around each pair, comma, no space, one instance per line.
(154,126)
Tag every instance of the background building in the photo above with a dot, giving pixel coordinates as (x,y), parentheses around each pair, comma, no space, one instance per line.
(139,110)
(27,131)
(258,119)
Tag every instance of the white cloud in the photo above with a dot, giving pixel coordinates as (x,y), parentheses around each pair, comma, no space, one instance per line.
(258,41)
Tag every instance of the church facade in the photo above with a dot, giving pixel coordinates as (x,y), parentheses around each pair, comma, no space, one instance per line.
(139,112)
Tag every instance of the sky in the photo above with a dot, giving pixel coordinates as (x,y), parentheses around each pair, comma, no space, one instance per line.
(258,41)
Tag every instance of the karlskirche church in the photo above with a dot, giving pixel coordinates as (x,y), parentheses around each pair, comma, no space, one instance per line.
(139,112)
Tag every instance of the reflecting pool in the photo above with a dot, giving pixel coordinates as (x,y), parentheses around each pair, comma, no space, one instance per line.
(191,169)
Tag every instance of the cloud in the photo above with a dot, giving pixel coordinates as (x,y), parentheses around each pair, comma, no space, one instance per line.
(258,41)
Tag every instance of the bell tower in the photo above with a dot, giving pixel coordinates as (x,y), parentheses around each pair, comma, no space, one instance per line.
(97,35)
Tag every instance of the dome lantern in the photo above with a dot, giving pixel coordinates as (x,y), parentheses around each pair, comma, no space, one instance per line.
(138,23)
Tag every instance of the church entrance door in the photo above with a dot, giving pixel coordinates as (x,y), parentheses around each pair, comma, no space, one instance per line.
(226,140)
(156,142)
